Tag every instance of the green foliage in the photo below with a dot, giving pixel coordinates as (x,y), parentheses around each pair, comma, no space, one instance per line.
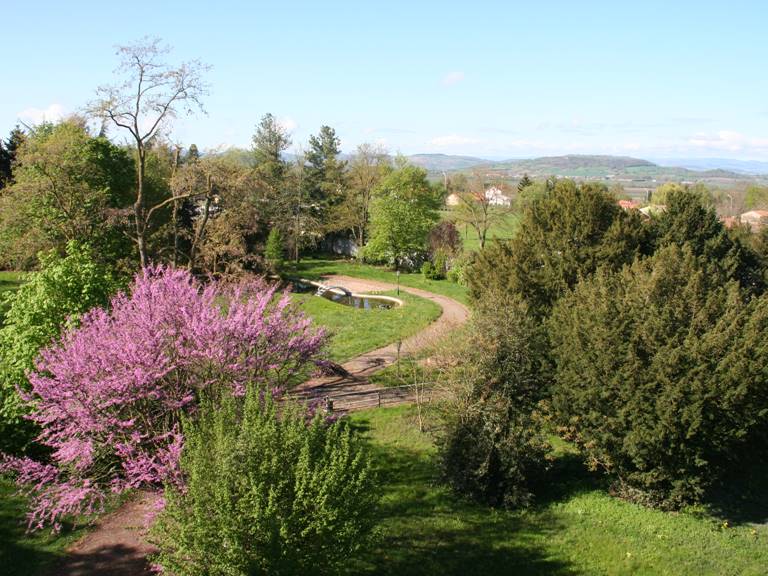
(690,220)
(66,183)
(64,288)
(661,375)
(492,448)
(403,211)
(273,252)
(756,197)
(564,234)
(662,194)
(266,492)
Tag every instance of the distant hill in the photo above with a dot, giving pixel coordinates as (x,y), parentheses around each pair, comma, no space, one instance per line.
(699,164)
(445,162)
(631,173)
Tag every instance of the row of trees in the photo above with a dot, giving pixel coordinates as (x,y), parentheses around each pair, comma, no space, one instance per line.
(638,340)
(151,201)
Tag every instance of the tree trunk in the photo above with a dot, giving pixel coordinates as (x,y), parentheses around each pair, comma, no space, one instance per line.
(138,208)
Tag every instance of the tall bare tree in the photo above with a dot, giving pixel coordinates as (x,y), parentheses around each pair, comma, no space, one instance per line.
(150,95)
(477,208)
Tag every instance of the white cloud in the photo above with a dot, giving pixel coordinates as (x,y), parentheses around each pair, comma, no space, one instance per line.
(34,116)
(452,140)
(727,140)
(287,123)
(453,78)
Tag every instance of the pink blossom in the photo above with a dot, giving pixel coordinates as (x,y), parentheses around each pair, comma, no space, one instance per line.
(110,394)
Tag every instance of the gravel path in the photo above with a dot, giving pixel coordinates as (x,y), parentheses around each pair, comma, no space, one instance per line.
(360,368)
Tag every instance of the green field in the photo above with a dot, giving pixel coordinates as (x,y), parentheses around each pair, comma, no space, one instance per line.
(355,331)
(502,229)
(576,528)
(316,268)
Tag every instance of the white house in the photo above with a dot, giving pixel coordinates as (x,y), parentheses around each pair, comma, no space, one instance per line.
(496,197)
(755,218)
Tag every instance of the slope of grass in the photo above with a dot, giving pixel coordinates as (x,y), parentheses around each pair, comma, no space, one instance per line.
(355,331)
(316,268)
(576,528)
(25,554)
(502,228)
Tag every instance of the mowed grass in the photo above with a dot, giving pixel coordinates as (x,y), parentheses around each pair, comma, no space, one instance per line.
(355,331)
(576,528)
(316,268)
(23,554)
(503,228)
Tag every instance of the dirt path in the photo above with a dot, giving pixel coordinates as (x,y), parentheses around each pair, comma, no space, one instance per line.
(337,388)
(116,546)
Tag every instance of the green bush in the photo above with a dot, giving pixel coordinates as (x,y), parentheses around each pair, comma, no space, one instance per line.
(64,288)
(273,252)
(662,375)
(493,448)
(427,269)
(267,492)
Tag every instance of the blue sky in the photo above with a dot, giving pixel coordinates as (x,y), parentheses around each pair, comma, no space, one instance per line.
(492,79)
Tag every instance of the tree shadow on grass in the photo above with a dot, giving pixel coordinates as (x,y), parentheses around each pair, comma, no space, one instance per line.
(742,498)
(428,530)
(21,553)
(115,560)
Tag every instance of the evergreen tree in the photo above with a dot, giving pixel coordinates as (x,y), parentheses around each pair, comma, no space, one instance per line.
(563,235)
(325,174)
(273,252)
(270,141)
(525,181)
(661,375)
(8,155)
(193,154)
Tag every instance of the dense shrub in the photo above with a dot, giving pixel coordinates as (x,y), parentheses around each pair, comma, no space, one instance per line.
(662,375)
(273,252)
(266,493)
(53,297)
(493,448)
(435,270)
(110,394)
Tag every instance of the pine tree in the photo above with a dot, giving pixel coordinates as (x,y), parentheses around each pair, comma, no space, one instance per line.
(273,252)
(525,181)
(193,154)
(325,173)
(270,141)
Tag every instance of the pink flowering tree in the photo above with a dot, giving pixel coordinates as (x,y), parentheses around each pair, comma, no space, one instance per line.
(110,394)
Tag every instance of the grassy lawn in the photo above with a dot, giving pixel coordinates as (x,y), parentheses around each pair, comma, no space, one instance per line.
(315,268)
(576,528)
(24,554)
(502,229)
(355,331)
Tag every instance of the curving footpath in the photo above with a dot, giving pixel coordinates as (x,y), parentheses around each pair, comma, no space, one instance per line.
(353,391)
(116,546)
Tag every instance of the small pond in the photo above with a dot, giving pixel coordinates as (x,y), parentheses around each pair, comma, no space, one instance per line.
(366,302)
(346,299)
